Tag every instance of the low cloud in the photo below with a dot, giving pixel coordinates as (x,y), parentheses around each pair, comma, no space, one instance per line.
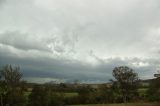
(66,70)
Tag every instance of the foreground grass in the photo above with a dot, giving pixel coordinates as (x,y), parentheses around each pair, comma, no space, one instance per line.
(128,104)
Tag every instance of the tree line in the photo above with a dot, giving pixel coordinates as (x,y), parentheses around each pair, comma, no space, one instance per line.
(124,88)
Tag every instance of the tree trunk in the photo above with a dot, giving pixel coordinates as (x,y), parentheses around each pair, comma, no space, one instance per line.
(1,100)
(124,100)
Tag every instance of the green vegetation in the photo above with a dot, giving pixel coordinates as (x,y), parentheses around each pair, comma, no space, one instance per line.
(142,91)
(11,89)
(124,90)
(121,104)
(126,84)
(70,94)
(154,90)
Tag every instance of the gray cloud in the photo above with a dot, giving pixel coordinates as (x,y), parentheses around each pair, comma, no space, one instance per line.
(2,1)
(22,41)
(82,39)
(70,70)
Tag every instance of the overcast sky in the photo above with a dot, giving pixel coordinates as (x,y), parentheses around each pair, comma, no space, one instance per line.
(67,40)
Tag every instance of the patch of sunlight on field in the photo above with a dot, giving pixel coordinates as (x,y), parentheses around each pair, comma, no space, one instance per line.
(66,95)
(73,94)
(27,93)
(144,90)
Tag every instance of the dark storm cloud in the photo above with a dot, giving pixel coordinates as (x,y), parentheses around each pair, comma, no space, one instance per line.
(70,70)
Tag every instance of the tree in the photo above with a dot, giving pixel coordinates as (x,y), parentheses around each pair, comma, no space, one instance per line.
(11,75)
(38,97)
(106,94)
(2,90)
(11,80)
(44,96)
(126,82)
(154,90)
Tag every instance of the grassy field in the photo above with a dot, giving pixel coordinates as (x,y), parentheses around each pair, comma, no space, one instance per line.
(72,94)
(128,104)
(142,91)
(66,95)
(27,93)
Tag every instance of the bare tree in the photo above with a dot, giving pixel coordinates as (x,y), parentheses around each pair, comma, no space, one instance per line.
(12,76)
(11,79)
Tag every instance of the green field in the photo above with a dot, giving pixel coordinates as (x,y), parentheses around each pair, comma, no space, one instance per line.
(66,95)
(27,93)
(72,94)
(142,91)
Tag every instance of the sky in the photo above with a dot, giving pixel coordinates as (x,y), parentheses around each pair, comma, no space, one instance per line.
(68,40)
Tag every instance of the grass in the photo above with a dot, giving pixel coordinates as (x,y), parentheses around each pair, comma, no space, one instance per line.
(27,93)
(66,95)
(142,91)
(128,104)
(69,95)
